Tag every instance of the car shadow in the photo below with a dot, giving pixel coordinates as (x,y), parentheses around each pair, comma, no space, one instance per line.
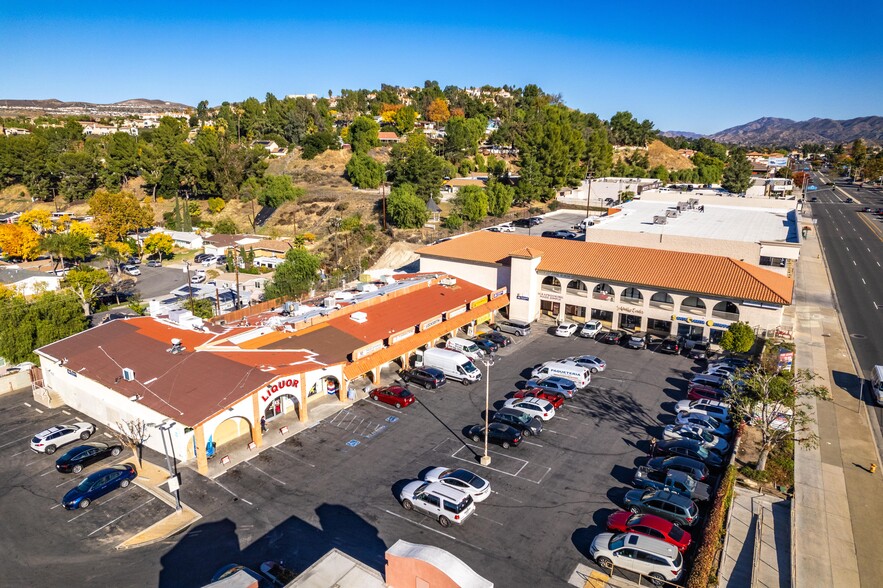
(622,474)
(617,495)
(667,417)
(396,488)
(583,537)
(668,407)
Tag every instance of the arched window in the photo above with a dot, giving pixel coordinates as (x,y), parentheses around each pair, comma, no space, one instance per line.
(577,287)
(725,310)
(631,296)
(693,305)
(603,292)
(662,300)
(551,283)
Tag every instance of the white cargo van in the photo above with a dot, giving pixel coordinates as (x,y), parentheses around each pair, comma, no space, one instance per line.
(877,383)
(565,369)
(464,346)
(455,365)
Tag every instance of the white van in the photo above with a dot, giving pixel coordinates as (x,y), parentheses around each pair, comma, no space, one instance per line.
(565,369)
(877,383)
(464,346)
(455,365)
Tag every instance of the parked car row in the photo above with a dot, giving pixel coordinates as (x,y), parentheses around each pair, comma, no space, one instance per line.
(447,495)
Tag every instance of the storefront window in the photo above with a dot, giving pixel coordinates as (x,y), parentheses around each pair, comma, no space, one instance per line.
(658,325)
(629,321)
(602,315)
(575,311)
(550,308)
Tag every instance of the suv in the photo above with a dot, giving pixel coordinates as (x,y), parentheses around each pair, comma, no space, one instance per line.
(528,425)
(443,503)
(637,553)
(663,503)
(719,410)
(428,377)
(514,327)
(54,437)
(669,346)
(699,351)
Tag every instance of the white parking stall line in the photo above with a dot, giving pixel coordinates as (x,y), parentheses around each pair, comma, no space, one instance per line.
(66,412)
(612,370)
(451,537)
(20,452)
(562,434)
(54,507)
(506,496)
(561,418)
(294,457)
(384,406)
(68,481)
(152,498)
(233,493)
(19,440)
(47,472)
(864,282)
(265,473)
(39,410)
(478,516)
(28,404)
(33,462)
(532,443)
(543,476)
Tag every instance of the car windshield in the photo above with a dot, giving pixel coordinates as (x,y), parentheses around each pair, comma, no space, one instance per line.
(676,533)
(469,367)
(86,484)
(702,452)
(706,436)
(679,559)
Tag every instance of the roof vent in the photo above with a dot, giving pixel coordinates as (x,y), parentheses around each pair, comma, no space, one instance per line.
(660,220)
(176,347)
(672,213)
(448,281)
(128,374)
(359,317)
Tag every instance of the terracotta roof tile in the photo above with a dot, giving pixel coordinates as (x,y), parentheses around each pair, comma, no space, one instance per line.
(713,275)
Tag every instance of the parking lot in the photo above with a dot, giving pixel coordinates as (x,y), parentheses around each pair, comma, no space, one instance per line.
(31,491)
(559,221)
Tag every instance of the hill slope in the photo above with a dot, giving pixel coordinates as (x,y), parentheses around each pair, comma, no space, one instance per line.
(784,131)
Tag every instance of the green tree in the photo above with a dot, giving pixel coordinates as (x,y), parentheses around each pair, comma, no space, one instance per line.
(216,205)
(318,142)
(453,222)
(500,197)
(73,246)
(599,152)
(295,276)
(364,134)
(412,162)
(26,326)
(472,203)
(737,175)
(404,119)
(364,171)
(859,153)
(550,153)
(203,308)
(86,282)
(276,190)
(406,210)
(738,338)
(160,244)
(226,226)
(462,137)
(79,175)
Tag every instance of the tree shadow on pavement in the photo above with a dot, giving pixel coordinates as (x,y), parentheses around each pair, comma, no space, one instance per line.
(621,409)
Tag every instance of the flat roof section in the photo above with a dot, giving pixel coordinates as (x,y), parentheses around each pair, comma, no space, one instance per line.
(728,223)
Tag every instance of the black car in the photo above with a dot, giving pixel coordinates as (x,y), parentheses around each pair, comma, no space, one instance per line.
(669,346)
(699,351)
(486,345)
(427,377)
(499,339)
(694,468)
(200,257)
(83,455)
(221,260)
(688,448)
(611,337)
(525,423)
(498,433)
(522,223)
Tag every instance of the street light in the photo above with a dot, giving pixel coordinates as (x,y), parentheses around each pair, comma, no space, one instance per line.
(488,361)
(189,283)
(173,473)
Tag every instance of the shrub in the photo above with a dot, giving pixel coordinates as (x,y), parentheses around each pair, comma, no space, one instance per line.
(707,552)
(453,222)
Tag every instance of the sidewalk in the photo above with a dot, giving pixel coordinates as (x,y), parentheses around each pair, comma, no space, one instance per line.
(757,550)
(837,514)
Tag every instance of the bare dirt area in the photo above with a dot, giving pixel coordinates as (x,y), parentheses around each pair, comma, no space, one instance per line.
(778,478)
(658,153)
(397,255)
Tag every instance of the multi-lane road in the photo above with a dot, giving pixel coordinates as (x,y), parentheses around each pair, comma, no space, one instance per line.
(852,241)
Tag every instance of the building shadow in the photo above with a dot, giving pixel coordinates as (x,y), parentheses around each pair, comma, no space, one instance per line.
(296,543)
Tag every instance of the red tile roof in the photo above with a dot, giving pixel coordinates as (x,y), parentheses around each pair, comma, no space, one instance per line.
(713,275)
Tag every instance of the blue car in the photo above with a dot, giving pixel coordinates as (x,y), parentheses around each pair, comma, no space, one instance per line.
(98,484)
(812,187)
(554,385)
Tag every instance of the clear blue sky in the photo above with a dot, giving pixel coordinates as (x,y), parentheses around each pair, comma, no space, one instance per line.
(686,65)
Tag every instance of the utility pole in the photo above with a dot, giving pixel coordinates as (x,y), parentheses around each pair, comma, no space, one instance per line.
(589,180)
(384,207)
(189,284)
(236,269)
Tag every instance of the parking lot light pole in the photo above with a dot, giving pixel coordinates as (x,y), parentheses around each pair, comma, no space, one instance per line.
(488,361)
(162,428)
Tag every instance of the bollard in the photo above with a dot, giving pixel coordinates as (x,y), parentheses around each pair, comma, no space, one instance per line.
(873,468)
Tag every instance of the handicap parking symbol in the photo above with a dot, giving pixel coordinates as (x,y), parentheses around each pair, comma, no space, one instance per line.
(392,419)
(352,442)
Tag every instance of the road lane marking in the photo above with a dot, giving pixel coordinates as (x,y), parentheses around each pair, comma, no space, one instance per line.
(853,262)
(531,443)
(876,307)
(38,410)
(864,282)
(66,412)
(152,498)
(379,404)
(562,434)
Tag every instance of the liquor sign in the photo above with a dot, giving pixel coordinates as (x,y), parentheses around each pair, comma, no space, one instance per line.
(291,385)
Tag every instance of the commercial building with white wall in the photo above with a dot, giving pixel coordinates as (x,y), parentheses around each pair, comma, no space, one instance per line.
(635,288)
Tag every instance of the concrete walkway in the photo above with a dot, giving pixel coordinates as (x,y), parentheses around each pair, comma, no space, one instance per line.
(757,549)
(837,505)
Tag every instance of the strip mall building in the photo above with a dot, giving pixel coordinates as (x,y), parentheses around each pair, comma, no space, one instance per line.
(635,288)
(213,383)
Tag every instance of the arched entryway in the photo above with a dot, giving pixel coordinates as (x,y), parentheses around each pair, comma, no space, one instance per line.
(228,430)
(282,405)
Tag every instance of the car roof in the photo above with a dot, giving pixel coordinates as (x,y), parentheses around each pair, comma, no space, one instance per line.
(668,496)
(651,544)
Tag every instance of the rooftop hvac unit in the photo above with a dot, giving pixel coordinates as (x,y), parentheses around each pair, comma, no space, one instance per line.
(660,220)
(693,202)
(128,374)
(672,213)
(449,281)
(683,206)
(329,302)
(359,317)
(176,347)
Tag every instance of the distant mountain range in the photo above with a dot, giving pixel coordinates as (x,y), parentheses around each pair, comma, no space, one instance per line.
(769,131)
(685,134)
(57,107)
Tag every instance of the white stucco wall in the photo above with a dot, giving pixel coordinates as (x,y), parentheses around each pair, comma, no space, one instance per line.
(482,275)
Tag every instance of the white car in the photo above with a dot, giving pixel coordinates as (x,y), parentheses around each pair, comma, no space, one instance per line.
(209,260)
(704,421)
(638,553)
(20,367)
(131,269)
(461,479)
(54,437)
(715,408)
(723,371)
(537,407)
(198,277)
(590,362)
(506,228)
(566,329)
(695,433)
(590,329)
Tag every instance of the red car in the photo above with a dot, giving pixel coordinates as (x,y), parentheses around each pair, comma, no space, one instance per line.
(555,399)
(398,396)
(650,525)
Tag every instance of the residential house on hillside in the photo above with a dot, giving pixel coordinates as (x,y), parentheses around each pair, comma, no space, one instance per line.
(183,239)
(388,137)
(10,131)
(272,148)
(29,282)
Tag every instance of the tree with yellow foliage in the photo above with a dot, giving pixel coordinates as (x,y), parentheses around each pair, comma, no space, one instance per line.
(117,214)
(19,242)
(39,219)
(159,243)
(438,111)
(81,228)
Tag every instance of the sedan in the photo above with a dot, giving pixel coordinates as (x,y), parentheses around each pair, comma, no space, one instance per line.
(532,406)
(553,399)
(486,345)
(51,439)
(209,260)
(709,441)
(503,435)
(651,526)
(611,337)
(695,469)
(154,263)
(498,338)
(394,395)
(428,377)
(461,479)
(636,341)
(555,385)
(719,410)
(590,329)
(98,484)
(704,421)
(83,455)
(688,448)
(590,362)
(200,257)
(566,329)
(132,270)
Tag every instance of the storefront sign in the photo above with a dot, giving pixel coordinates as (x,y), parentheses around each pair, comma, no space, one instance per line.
(367,350)
(478,302)
(686,319)
(550,296)
(291,386)
(457,311)
(630,309)
(497,293)
(522,297)
(430,323)
(717,325)
(401,335)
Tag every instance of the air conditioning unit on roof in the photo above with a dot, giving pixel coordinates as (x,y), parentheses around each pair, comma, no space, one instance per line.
(448,281)
(359,317)
(128,374)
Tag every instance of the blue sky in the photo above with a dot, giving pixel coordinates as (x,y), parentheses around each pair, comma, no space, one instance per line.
(686,65)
